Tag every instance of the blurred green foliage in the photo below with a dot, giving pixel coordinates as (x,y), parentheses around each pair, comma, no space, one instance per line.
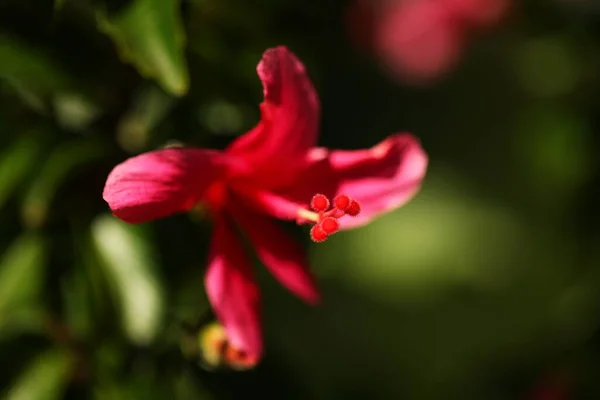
(482,286)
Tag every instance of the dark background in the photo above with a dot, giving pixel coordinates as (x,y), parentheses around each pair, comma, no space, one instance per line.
(485,286)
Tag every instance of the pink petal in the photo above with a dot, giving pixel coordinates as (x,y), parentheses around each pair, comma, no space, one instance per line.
(232,290)
(289,119)
(267,202)
(160,183)
(381,178)
(280,253)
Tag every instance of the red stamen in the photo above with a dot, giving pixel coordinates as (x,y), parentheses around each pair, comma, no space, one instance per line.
(342,202)
(327,221)
(319,203)
(335,213)
(330,225)
(318,234)
(354,209)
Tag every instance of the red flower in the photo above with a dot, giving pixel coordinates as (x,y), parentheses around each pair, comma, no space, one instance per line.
(272,171)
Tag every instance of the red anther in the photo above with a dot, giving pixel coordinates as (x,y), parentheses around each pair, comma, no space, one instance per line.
(330,225)
(237,359)
(318,234)
(353,209)
(319,202)
(231,354)
(342,202)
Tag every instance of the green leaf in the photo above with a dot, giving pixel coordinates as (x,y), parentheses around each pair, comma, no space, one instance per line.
(149,34)
(128,261)
(16,162)
(21,278)
(65,159)
(89,273)
(77,303)
(26,319)
(21,273)
(30,69)
(44,379)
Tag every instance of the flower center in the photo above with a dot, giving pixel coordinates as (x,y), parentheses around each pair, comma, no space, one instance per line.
(324,218)
(216,196)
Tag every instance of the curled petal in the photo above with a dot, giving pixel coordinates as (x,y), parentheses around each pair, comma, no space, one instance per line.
(275,148)
(232,290)
(381,178)
(280,253)
(160,183)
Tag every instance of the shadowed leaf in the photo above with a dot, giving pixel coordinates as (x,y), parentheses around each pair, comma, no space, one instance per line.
(21,273)
(16,162)
(149,34)
(44,379)
(64,160)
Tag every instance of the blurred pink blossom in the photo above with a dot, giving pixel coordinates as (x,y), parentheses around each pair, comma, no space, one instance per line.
(419,41)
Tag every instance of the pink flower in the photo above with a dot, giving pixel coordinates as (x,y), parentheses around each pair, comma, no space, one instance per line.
(420,40)
(272,171)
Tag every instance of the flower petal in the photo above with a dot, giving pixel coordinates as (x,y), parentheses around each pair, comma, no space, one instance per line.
(280,253)
(267,202)
(232,290)
(160,183)
(381,178)
(290,113)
